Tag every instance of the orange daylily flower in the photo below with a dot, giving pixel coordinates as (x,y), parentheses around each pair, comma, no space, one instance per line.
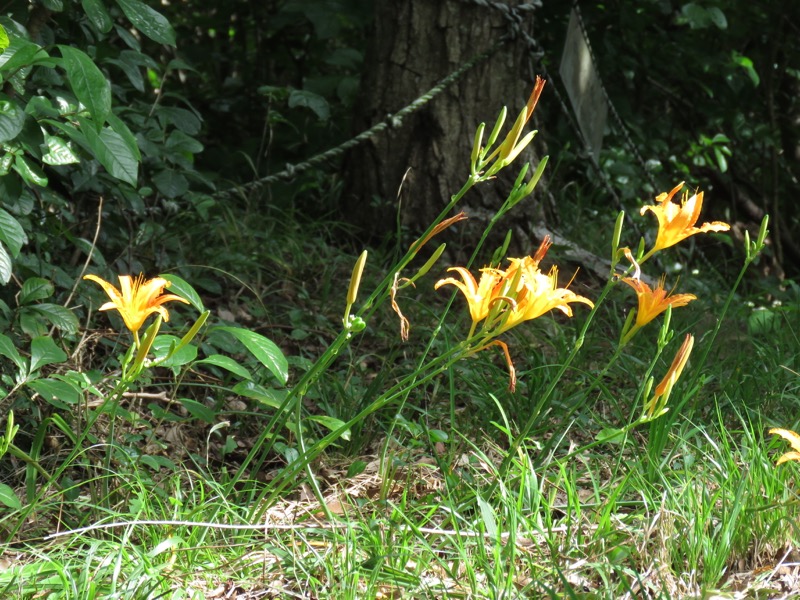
(480,295)
(656,404)
(652,302)
(793,439)
(676,222)
(136,299)
(507,298)
(538,294)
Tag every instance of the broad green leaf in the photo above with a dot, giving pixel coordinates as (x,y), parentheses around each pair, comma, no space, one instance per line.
(58,393)
(8,497)
(5,265)
(182,288)
(19,53)
(53,5)
(310,100)
(31,322)
(132,72)
(150,22)
(227,363)
(10,351)
(70,131)
(6,162)
(45,352)
(248,389)
(263,349)
(11,233)
(180,142)
(35,288)
(119,127)
(88,83)
(98,15)
(183,119)
(59,153)
(113,153)
(199,411)
(170,183)
(162,346)
(30,173)
(12,119)
(4,41)
(60,316)
(718,17)
(331,423)
(39,107)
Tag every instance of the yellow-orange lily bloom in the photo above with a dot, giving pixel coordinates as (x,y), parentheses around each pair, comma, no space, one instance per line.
(652,302)
(479,294)
(676,222)
(136,299)
(539,294)
(793,439)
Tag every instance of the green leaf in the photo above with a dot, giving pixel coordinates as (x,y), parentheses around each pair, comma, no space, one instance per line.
(310,100)
(98,15)
(488,517)
(718,17)
(19,53)
(6,163)
(9,498)
(264,350)
(331,423)
(113,153)
(227,363)
(9,350)
(60,316)
(35,288)
(162,346)
(30,173)
(610,435)
(183,119)
(248,389)
(88,83)
(12,119)
(4,41)
(45,352)
(119,127)
(150,22)
(182,288)
(170,183)
(58,152)
(5,265)
(199,411)
(180,142)
(11,233)
(53,5)
(58,393)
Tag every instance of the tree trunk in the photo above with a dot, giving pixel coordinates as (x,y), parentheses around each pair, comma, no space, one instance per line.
(415,44)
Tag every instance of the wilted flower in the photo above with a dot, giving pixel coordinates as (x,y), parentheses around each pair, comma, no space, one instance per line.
(676,221)
(136,299)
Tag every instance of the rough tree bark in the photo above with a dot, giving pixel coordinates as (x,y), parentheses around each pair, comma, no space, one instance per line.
(415,44)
